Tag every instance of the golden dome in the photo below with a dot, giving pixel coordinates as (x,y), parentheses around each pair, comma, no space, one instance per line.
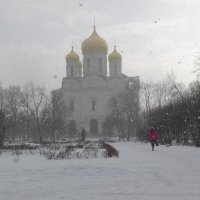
(94,43)
(72,56)
(115,55)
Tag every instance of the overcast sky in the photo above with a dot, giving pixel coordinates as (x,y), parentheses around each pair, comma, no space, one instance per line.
(153,36)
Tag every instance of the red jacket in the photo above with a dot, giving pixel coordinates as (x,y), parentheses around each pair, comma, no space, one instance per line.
(153,135)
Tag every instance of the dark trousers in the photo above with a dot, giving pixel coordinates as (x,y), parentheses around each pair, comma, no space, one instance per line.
(153,144)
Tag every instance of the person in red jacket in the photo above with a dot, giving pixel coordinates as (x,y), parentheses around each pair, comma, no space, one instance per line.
(153,137)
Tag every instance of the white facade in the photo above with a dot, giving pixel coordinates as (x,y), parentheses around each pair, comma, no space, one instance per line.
(87,87)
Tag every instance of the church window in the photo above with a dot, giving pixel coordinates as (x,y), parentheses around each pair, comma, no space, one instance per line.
(115,70)
(88,64)
(71,106)
(100,65)
(115,105)
(72,70)
(93,105)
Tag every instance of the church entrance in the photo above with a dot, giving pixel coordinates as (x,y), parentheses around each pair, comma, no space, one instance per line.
(93,127)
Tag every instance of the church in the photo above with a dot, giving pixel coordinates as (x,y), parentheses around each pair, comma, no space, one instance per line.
(90,83)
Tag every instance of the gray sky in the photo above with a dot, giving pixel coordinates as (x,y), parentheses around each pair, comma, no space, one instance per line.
(153,36)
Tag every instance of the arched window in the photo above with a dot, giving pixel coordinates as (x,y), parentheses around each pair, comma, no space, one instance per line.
(72,70)
(71,106)
(100,65)
(93,105)
(88,64)
(115,70)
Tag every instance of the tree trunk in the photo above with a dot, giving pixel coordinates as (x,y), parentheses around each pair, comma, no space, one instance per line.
(2,135)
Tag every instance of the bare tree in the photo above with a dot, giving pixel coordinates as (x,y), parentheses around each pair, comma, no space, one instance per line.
(177,87)
(71,127)
(124,110)
(160,93)
(2,127)
(147,97)
(54,115)
(5,116)
(107,126)
(119,121)
(33,98)
(2,96)
(12,97)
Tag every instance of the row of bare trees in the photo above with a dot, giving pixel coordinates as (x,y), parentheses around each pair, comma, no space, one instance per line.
(31,114)
(172,109)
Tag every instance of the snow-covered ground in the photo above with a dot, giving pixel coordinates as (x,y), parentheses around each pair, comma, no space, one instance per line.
(168,173)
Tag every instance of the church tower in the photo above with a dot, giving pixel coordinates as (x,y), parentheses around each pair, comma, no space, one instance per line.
(94,50)
(115,63)
(73,67)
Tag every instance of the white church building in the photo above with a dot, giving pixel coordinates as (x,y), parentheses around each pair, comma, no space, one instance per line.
(90,83)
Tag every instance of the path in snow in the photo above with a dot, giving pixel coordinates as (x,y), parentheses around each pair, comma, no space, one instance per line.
(168,173)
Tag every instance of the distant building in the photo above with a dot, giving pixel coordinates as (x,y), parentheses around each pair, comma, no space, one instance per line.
(88,85)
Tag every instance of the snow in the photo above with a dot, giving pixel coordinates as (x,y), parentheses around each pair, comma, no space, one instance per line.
(139,173)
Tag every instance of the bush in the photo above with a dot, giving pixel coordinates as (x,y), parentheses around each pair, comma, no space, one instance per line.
(110,150)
